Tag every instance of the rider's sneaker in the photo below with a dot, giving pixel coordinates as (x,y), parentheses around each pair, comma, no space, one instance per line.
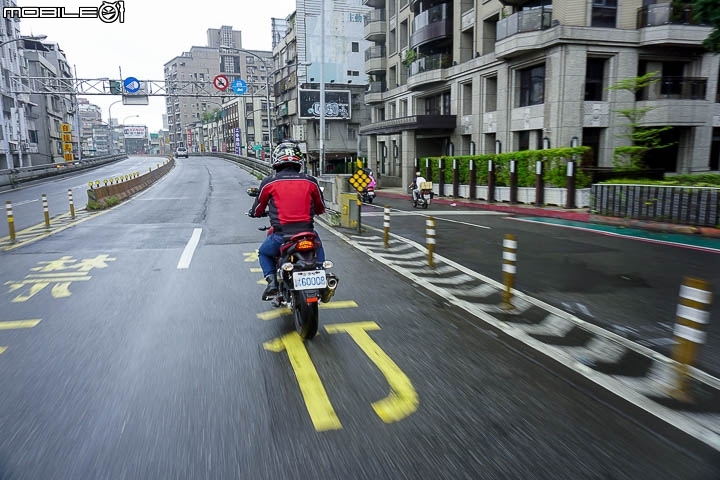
(271,290)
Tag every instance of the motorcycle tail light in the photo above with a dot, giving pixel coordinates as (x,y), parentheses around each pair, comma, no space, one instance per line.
(287,267)
(327,264)
(303,245)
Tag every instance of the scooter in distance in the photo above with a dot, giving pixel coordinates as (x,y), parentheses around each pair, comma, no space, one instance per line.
(302,281)
(367,195)
(424,197)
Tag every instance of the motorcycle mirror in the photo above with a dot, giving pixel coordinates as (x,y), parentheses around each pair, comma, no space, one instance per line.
(253,191)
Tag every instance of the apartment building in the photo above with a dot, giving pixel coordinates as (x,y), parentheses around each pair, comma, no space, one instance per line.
(463,77)
(46,113)
(322,50)
(187,114)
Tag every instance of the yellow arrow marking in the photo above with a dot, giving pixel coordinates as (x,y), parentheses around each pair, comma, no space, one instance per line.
(403,399)
(279,312)
(318,404)
(18,324)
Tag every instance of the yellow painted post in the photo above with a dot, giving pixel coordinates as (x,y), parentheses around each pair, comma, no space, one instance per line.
(10,219)
(430,236)
(692,317)
(46,211)
(509,268)
(386,226)
(72,204)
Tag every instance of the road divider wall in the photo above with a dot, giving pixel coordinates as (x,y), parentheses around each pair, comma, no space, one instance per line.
(122,187)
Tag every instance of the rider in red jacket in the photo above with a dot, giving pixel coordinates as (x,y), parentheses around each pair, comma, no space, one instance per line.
(290,198)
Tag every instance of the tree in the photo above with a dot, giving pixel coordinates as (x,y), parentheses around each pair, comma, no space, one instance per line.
(708,11)
(642,139)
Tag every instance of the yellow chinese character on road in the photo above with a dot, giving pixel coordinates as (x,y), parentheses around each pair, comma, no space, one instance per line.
(59,273)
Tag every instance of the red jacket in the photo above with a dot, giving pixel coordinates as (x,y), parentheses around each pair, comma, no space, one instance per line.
(291,199)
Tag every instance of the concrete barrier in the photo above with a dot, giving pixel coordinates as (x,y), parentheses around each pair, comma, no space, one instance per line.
(19,175)
(128,185)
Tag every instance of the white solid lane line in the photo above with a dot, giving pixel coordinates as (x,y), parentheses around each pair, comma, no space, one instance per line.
(187,254)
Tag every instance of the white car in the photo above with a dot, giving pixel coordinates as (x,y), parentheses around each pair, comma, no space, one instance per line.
(181,152)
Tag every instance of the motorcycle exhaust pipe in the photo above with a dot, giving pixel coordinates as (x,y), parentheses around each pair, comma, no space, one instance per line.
(327,294)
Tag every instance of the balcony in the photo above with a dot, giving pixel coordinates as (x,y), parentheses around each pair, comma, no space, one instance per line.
(414,122)
(375,26)
(428,70)
(664,14)
(375,60)
(433,24)
(668,24)
(524,21)
(677,88)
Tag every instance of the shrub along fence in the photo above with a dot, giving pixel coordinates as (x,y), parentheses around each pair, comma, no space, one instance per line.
(493,176)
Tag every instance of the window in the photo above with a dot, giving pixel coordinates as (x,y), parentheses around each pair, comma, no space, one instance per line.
(355,46)
(604,13)
(532,86)
(594,79)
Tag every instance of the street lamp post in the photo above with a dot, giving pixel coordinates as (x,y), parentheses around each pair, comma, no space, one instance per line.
(6,139)
(267,87)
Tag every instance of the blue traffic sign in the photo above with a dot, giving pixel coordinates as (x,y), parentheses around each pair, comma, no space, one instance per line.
(131,84)
(239,86)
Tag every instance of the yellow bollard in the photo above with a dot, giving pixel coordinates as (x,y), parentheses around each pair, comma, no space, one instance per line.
(10,219)
(386,226)
(46,210)
(72,204)
(692,317)
(430,236)
(509,269)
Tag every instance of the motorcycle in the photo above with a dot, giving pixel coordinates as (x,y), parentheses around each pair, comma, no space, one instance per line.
(424,197)
(367,195)
(302,280)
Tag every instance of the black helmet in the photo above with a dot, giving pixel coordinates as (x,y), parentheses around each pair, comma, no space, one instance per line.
(285,154)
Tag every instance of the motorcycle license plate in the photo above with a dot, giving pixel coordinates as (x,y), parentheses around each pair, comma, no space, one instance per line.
(426,196)
(309,280)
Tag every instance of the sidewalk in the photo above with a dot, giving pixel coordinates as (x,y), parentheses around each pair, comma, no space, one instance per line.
(577,215)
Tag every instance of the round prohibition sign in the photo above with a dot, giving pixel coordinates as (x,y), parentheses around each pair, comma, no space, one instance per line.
(221,82)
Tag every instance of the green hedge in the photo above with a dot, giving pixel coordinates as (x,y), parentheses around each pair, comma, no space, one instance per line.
(554,170)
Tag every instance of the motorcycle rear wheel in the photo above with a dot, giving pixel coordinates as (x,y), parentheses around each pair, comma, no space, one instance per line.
(305,316)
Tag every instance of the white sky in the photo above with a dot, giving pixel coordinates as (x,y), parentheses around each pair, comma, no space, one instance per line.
(154,32)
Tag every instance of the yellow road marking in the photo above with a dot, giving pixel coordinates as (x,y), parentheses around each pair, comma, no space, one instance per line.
(279,312)
(256,270)
(403,399)
(2,349)
(251,257)
(318,404)
(11,325)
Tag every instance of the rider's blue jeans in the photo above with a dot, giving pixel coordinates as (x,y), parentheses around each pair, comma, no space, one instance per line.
(270,249)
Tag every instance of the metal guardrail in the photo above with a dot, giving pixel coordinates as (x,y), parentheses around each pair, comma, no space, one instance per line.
(698,206)
(15,176)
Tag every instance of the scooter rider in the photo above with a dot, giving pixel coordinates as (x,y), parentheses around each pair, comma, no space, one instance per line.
(419,179)
(291,198)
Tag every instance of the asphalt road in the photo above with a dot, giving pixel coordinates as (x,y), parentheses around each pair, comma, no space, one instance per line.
(126,362)
(627,284)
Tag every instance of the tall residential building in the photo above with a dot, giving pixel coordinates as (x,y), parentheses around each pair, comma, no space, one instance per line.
(15,108)
(47,112)
(202,64)
(90,116)
(459,77)
(322,49)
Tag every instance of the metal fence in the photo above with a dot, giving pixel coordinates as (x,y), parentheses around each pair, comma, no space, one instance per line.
(697,206)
